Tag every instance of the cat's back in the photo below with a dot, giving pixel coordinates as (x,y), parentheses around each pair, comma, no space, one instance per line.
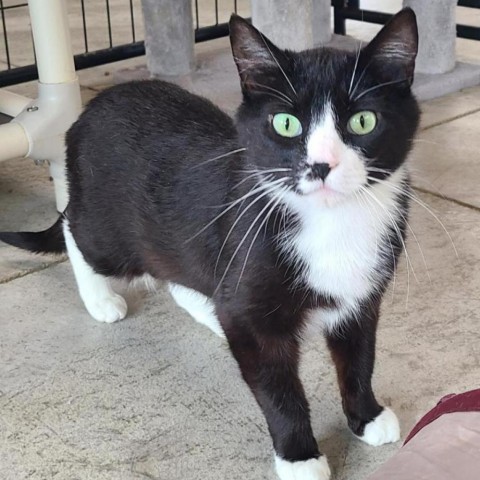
(145,132)
(147,108)
(140,156)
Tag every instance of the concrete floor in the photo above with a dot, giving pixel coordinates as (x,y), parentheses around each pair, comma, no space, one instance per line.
(158,396)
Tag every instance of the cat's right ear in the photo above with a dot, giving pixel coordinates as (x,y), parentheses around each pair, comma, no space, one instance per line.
(258,60)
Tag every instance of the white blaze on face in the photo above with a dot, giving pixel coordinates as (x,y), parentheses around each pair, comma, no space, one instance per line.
(324,145)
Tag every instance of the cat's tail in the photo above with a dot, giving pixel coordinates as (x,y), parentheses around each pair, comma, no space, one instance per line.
(48,241)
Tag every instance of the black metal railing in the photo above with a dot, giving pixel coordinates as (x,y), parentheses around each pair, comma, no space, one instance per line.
(117,37)
(350,10)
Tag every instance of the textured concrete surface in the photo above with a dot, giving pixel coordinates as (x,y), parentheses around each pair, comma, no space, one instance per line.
(436,34)
(449,160)
(210,68)
(294,25)
(427,86)
(158,396)
(467,69)
(169,37)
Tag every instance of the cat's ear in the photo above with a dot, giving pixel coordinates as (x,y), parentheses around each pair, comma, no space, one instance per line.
(395,47)
(258,60)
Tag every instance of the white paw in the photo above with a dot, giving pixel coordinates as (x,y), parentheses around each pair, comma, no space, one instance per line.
(383,429)
(107,309)
(313,469)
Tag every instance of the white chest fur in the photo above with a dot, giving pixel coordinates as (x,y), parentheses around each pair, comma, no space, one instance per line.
(341,246)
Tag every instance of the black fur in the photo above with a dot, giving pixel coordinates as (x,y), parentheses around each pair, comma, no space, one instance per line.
(49,241)
(148,174)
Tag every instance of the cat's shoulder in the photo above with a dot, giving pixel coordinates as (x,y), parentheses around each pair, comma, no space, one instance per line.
(150,93)
(160,104)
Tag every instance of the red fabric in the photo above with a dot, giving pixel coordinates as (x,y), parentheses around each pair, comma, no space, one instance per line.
(464,402)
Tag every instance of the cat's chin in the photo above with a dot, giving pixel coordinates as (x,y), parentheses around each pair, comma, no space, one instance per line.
(324,196)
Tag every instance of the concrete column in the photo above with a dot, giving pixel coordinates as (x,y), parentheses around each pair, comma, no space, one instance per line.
(295,25)
(437,35)
(169,37)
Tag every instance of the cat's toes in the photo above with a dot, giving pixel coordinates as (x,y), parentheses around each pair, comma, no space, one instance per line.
(107,309)
(383,429)
(313,469)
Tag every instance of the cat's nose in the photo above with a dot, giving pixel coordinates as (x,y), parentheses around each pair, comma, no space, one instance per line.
(320,170)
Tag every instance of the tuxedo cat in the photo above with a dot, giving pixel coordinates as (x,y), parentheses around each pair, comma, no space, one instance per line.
(292,214)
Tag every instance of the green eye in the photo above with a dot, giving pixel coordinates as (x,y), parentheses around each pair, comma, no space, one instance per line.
(287,125)
(362,123)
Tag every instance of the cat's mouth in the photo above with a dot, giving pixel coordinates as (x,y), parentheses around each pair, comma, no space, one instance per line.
(320,188)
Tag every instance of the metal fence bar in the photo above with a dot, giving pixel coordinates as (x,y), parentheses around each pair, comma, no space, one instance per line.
(5,36)
(349,11)
(132,19)
(91,58)
(109,23)
(468,32)
(107,55)
(197,21)
(84,21)
(469,3)
(10,7)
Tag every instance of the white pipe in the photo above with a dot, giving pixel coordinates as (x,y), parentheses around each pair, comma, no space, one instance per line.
(13,141)
(51,36)
(12,104)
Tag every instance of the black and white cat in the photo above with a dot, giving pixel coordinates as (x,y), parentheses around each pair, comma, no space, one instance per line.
(293,214)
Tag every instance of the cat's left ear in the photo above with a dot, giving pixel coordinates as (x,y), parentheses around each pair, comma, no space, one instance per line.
(258,60)
(395,47)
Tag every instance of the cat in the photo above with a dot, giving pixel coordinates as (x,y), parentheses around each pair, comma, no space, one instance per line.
(293,214)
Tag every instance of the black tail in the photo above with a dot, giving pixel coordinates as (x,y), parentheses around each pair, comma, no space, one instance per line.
(48,241)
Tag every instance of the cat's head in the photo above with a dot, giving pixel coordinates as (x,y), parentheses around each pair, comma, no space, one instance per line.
(327,122)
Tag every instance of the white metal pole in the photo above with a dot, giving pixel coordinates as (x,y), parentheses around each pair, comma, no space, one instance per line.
(12,104)
(58,105)
(13,140)
(51,36)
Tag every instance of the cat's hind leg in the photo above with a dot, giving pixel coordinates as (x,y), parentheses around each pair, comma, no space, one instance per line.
(102,303)
(200,307)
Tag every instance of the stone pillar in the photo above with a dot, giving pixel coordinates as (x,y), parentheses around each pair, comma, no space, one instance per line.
(295,25)
(169,37)
(437,35)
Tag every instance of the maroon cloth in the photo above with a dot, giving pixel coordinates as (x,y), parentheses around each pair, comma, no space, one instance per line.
(464,402)
(443,445)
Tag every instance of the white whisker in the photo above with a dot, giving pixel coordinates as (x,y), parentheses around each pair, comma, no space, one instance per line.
(399,236)
(271,186)
(278,65)
(423,140)
(355,68)
(422,204)
(219,157)
(259,173)
(278,94)
(236,202)
(411,231)
(394,280)
(359,79)
(371,89)
(232,258)
(265,220)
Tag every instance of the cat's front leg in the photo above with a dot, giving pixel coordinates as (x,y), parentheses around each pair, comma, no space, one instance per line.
(352,347)
(269,365)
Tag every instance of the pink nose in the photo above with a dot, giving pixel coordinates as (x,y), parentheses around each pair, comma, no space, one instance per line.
(330,159)
(324,157)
